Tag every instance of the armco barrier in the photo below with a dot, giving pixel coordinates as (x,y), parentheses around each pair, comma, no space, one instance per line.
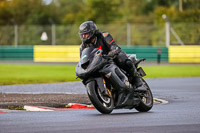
(58,53)
(184,54)
(16,53)
(70,53)
(148,52)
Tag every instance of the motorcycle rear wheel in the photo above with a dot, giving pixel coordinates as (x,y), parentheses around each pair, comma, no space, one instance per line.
(103,104)
(146,100)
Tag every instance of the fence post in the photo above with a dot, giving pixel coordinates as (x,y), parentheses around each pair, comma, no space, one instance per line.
(53,33)
(167,26)
(167,30)
(16,34)
(128,34)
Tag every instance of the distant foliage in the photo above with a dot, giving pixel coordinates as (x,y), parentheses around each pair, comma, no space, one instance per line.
(101,11)
(145,16)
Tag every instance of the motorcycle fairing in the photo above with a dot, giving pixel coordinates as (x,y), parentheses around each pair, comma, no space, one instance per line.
(90,62)
(100,84)
(116,77)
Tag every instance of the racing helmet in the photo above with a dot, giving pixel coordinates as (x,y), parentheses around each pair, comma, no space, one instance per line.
(87,31)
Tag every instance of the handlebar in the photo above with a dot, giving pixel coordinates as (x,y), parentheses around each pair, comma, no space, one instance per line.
(138,61)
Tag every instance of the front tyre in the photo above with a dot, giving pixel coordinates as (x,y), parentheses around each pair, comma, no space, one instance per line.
(103,104)
(146,100)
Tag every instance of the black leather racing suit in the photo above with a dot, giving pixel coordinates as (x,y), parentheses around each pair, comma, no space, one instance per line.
(106,42)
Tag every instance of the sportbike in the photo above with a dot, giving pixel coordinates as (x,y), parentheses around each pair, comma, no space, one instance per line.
(104,81)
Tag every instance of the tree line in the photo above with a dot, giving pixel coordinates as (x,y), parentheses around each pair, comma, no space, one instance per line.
(33,17)
(37,12)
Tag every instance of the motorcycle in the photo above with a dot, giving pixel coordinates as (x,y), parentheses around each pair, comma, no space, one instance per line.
(107,84)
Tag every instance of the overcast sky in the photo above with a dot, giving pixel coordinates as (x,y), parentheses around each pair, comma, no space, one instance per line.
(47,1)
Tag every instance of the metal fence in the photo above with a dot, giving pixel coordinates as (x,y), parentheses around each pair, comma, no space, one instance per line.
(124,34)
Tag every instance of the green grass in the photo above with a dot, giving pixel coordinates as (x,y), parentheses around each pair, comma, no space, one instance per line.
(32,74)
(172,71)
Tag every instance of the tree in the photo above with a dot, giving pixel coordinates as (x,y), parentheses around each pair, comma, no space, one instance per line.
(103,11)
(26,12)
(5,13)
(72,11)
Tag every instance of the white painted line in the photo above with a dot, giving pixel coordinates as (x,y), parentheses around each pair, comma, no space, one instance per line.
(38,108)
(161,100)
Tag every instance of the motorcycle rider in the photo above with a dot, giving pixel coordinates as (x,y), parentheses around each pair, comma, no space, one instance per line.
(92,37)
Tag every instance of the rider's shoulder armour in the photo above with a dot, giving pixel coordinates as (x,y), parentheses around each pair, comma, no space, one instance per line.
(108,38)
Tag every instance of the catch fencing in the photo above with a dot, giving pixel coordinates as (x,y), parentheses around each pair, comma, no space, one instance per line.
(124,34)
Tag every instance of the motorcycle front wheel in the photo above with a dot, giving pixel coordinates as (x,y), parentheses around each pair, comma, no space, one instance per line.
(102,103)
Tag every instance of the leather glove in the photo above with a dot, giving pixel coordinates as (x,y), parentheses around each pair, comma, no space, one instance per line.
(114,52)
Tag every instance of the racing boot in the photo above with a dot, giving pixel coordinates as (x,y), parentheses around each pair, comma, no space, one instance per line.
(135,77)
(139,83)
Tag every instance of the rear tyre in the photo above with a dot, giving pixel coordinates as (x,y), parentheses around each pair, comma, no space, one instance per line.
(103,104)
(146,100)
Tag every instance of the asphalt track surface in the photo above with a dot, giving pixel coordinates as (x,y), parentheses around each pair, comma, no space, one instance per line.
(180,115)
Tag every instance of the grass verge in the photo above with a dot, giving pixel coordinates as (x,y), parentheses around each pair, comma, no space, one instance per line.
(34,74)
